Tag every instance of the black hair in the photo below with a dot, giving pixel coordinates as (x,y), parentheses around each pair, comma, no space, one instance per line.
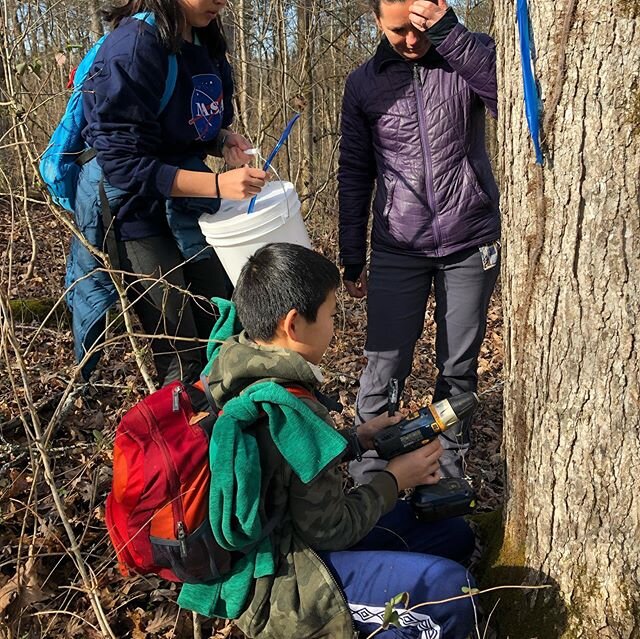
(170,22)
(375,5)
(278,278)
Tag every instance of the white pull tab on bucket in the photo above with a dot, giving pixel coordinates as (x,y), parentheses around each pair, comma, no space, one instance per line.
(236,235)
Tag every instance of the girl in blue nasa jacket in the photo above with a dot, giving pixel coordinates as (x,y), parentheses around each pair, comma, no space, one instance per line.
(148,171)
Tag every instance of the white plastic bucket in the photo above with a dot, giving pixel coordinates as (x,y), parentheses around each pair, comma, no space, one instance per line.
(236,235)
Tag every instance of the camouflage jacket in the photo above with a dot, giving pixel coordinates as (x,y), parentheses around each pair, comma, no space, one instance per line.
(301,599)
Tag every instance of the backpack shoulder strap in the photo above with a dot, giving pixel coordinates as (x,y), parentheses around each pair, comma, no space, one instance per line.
(299,391)
(145,16)
(170,82)
(172,71)
(203,385)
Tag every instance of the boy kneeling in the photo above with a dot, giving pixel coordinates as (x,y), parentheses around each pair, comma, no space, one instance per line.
(313,561)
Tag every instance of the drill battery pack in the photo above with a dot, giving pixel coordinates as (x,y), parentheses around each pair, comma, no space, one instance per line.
(450,497)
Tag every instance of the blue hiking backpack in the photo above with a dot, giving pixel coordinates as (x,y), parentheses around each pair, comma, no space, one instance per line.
(58,165)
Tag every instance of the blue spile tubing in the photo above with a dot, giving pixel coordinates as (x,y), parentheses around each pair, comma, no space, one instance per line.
(531,98)
(276,148)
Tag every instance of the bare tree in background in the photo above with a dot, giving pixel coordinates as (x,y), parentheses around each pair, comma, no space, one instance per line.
(306,61)
(97,30)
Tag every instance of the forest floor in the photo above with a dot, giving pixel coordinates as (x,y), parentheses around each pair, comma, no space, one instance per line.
(41,594)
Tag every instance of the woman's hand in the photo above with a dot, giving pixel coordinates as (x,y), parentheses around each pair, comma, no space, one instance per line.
(418,467)
(423,14)
(368,430)
(357,289)
(239,184)
(233,149)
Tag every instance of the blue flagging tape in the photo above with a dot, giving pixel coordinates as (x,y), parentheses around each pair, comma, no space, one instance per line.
(531,97)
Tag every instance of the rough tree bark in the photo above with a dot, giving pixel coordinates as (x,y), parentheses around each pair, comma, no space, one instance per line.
(571,294)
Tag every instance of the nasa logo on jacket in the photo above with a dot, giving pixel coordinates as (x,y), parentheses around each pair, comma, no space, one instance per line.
(206,105)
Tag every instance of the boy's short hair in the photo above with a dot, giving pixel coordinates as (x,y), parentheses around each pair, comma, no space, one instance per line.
(278,278)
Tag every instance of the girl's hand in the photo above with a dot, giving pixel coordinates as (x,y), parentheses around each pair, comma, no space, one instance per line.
(233,150)
(239,184)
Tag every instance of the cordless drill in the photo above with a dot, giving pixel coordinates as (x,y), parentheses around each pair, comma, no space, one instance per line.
(450,497)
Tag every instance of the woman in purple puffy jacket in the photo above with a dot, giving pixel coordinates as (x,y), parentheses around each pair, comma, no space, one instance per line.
(413,125)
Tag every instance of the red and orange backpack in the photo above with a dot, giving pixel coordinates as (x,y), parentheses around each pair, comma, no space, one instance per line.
(158,507)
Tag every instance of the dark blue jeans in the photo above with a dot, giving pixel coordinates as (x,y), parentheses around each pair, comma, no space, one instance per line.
(400,555)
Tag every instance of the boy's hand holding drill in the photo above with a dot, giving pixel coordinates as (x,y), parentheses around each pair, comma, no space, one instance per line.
(415,468)
(433,498)
(368,430)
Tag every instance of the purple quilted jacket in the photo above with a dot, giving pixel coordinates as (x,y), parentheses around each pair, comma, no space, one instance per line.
(417,130)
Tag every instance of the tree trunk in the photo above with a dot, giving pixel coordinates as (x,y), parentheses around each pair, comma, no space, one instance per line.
(97,30)
(244,24)
(305,53)
(571,293)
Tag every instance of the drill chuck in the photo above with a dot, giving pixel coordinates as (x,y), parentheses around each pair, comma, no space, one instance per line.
(448,412)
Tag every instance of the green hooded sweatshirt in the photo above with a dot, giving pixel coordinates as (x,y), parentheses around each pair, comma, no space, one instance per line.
(295,595)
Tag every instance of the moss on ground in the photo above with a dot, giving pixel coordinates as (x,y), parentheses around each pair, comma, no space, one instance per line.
(29,310)
(519,613)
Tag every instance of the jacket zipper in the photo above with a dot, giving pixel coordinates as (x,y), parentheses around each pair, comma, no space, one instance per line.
(176,504)
(426,156)
(335,583)
(182,539)
(176,399)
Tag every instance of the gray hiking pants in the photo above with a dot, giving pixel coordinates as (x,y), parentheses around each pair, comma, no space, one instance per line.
(399,287)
